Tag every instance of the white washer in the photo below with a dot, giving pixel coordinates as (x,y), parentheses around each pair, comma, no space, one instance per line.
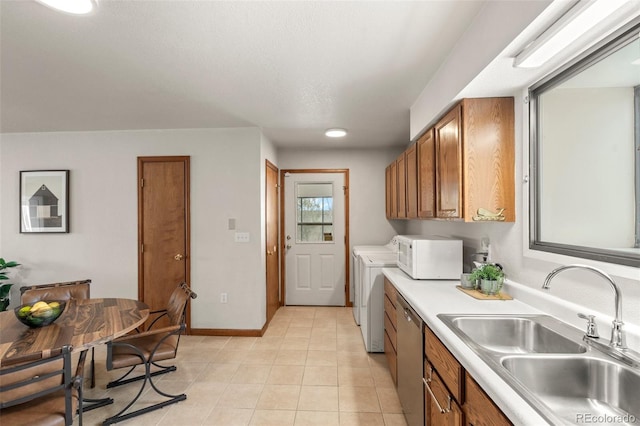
(372,299)
(355,282)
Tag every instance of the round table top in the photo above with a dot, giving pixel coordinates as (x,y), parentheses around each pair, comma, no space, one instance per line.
(83,324)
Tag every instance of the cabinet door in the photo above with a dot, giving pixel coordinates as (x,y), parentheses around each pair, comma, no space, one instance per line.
(440,408)
(479,408)
(426,147)
(401,171)
(393,190)
(411,160)
(488,129)
(449,165)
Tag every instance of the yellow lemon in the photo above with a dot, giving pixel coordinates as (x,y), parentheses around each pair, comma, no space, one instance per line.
(54,305)
(39,305)
(23,312)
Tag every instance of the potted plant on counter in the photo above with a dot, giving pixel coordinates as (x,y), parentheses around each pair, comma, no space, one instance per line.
(5,288)
(490,277)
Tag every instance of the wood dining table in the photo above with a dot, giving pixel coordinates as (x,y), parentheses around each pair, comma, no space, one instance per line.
(83,324)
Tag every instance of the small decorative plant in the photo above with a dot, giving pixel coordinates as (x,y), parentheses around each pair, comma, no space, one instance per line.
(5,288)
(491,278)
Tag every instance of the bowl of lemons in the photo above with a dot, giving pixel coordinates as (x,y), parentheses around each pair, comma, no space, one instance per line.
(40,313)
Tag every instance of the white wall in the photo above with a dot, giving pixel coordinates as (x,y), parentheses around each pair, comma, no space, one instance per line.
(367,221)
(226,182)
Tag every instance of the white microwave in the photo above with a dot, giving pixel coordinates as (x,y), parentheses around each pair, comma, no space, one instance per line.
(430,257)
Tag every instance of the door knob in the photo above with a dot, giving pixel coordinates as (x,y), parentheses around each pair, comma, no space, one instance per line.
(288,246)
(178,257)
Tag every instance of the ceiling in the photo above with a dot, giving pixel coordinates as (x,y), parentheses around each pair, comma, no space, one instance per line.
(293,69)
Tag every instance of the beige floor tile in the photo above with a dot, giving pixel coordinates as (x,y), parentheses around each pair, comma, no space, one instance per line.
(279,397)
(323,343)
(240,396)
(389,401)
(350,344)
(325,322)
(320,376)
(354,376)
(323,332)
(317,418)
(358,359)
(359,399)
(222,416)
(394,419)
(204,393)
(260,357)
(268,342)
(240,343)
(251,374)
(300,322)
(295,343)
(182,414)
(382,378)
(286,375)
(218,373)
(361,419)
(318,398)
(278,330)
(290,357)
(273,418)
(322,358)
(186,371)
(298,332)
(231,356)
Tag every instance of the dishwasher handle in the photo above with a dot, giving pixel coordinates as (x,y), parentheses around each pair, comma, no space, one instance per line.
(408,313)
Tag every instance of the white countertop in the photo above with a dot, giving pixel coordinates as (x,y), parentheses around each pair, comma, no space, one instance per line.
(430,298)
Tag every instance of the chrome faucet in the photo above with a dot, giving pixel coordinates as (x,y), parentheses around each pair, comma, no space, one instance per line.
(618,339)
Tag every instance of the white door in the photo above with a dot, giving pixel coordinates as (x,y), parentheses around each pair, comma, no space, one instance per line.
(315,239)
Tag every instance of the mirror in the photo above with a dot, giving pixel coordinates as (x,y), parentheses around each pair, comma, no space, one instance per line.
(585,155)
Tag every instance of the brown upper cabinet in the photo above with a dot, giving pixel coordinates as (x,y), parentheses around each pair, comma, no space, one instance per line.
(411,168)
(426,189)
(465,165)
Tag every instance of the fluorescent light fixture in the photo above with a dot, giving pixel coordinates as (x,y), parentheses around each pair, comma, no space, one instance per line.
(75,7)
(335,133)
(577,21)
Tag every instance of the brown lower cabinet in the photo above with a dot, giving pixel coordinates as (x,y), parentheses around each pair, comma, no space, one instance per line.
(451,396)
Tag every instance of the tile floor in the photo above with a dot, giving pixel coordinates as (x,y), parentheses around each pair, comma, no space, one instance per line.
(310,368)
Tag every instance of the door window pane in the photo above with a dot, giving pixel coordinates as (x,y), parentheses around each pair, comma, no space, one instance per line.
(314,212)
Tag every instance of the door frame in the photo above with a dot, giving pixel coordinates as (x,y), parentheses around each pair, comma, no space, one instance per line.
(186,160)
(283,275)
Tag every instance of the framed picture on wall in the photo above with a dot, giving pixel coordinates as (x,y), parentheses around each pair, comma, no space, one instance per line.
(44,201)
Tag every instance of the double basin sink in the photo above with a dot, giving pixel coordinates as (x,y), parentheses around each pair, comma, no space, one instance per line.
(549,364)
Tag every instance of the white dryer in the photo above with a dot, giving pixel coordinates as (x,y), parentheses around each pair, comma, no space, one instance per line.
(372,299)
(355,281)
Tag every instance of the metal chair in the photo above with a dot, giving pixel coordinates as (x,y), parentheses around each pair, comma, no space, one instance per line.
(147,348)
(41,391)
(60,291)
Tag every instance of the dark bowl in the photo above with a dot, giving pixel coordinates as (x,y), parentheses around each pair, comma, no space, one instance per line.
(42,314)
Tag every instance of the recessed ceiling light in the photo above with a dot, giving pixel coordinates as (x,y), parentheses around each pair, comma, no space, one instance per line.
(75,7)
(336,133)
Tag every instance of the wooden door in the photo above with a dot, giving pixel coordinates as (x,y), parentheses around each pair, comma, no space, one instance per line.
(449,165)
(411,160)
(440,408)
(401,170)
(163,228)
(426,146)
(271,240)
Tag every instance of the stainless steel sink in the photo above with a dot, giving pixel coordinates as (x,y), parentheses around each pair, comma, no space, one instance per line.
(577,386)
(515,334)
(547,362)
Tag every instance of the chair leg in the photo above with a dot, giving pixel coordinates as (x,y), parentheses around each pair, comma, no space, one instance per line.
(147,377)
(123,381)
(93,367)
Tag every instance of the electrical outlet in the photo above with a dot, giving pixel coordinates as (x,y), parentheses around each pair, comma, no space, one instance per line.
(223,297)
(242,237)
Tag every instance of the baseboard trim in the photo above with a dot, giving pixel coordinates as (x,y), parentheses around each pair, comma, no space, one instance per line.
(228,332)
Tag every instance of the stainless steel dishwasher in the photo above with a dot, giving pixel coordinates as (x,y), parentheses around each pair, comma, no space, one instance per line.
(410,390)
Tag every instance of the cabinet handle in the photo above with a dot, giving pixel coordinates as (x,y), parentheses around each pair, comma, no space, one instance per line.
(442,410)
